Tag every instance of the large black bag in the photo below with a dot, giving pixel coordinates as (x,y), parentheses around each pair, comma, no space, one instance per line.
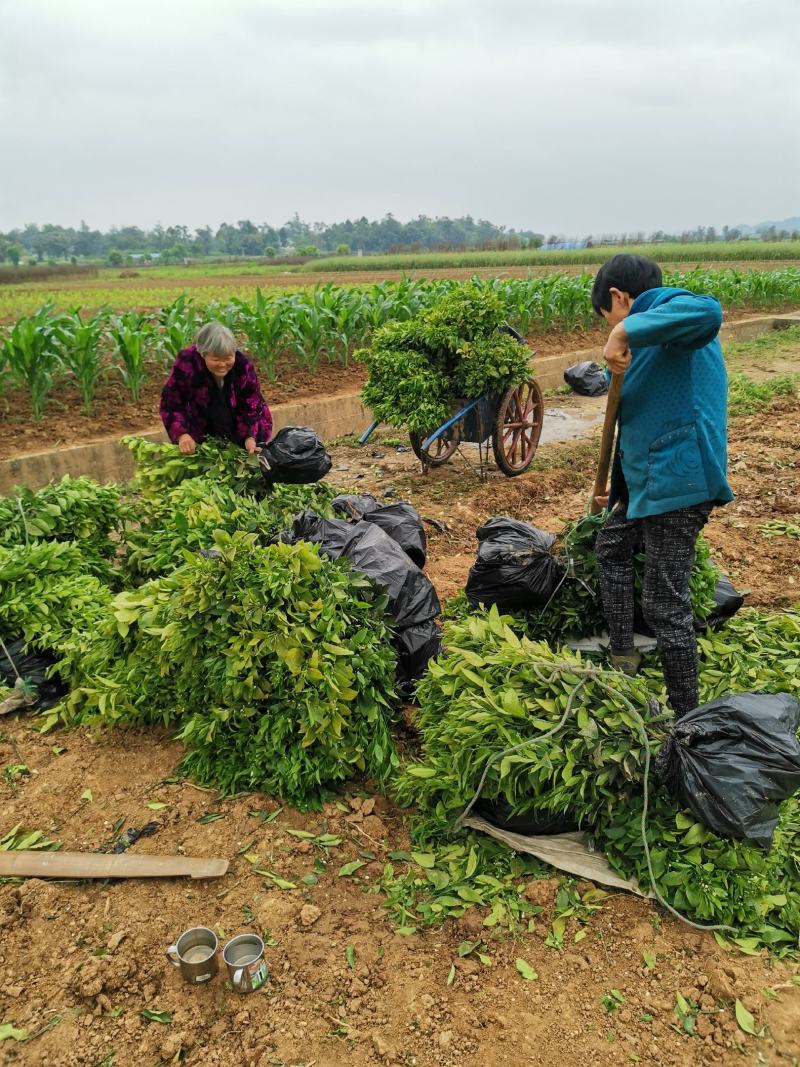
(733,760)
(534,823)
(416,645)
(412,600)
(33,668)
(400,521)
(514,569)
(727,602)
(294,456)
(586,379)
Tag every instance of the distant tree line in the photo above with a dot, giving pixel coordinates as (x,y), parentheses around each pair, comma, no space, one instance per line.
(245,238)
(52,243)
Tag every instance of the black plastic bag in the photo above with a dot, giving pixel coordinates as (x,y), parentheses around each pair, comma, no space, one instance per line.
(533,823)
(727,601)
(33,668)
(294,456)
(400,521)
(416,646)
(733,760)
(353,505)
(586,379)
(514,569)
(412,600)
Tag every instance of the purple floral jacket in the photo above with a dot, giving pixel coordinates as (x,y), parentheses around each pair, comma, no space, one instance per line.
(185,397)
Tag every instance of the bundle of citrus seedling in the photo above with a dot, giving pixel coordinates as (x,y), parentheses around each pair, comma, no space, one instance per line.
(487,702)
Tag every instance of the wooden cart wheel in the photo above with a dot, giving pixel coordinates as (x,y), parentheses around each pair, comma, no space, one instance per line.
(442,448)
(517,428)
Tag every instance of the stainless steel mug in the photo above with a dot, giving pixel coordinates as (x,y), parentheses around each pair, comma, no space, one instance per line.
(244,958)
(195,952)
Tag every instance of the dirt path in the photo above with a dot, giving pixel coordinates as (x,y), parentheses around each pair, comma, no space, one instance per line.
(78,963)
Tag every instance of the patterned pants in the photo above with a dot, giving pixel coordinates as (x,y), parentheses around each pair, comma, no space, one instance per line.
(669,546)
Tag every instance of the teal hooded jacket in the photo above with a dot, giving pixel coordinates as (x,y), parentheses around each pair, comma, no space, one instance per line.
(672,442)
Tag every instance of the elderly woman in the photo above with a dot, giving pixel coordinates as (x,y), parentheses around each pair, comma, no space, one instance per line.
(213,391)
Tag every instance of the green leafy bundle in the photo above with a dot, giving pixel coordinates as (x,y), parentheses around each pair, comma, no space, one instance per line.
(163,466)
(708,877)
(49,597)
(493,690)
(454,349)
(74,509)
(183,520)
(275,662)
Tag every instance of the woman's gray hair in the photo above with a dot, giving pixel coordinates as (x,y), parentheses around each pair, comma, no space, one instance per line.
(214,339)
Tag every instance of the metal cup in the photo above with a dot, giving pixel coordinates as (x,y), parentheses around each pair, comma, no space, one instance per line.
(244,958)
(195,952)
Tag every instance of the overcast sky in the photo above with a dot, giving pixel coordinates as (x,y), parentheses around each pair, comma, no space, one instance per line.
(572,116)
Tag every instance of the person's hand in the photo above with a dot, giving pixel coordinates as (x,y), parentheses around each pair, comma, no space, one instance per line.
(250,445)
(602,501)
(616,353)
(187,444)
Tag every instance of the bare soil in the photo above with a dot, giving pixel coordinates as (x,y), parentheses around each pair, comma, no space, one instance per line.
(78,963)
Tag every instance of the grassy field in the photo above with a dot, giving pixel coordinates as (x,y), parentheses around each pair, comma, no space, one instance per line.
(718,252)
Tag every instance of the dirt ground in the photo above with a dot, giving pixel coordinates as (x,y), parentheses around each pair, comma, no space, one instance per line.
(78,963)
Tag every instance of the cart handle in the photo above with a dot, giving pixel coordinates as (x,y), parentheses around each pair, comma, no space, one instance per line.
(370,430)
(426,444)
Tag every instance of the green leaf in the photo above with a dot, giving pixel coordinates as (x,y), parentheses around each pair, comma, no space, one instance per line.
(451,975)
(156,1016)
(212,816)
(7,1031)
(350,956)
(351,868)
(526,970)
(87,795)
(281,883)
(424,859)
(649,958)
(745,1020)
(156,805)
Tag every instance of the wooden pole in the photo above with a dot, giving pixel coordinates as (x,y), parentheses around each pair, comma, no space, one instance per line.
(606,443)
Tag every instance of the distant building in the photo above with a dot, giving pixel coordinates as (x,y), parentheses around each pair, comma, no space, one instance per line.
(564,246)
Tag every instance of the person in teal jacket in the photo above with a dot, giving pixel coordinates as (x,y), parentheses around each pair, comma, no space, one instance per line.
(670,463)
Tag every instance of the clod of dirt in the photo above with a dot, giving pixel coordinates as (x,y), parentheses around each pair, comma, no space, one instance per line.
(445,1039)
(383,1048)
(102,975)
(115,940)
(374,826)
(309,914)
(542,892)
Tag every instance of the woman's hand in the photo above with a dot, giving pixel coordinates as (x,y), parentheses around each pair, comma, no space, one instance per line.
(187,444)
(250,445)
(616,353)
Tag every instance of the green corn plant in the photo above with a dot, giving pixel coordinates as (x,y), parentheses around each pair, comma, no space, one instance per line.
(309,326)
(264,324)
(179,322)
(31,353)
(80,350)
(130,333)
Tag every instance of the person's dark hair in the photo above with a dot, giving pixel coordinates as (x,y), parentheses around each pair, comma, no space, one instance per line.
(629,274)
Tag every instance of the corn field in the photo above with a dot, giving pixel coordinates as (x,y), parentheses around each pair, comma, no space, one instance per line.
(307,326)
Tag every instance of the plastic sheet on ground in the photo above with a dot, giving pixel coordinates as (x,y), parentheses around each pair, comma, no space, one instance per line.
(566,852)
(600,643)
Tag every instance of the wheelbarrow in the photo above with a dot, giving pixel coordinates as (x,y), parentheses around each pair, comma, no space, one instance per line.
(511,420)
